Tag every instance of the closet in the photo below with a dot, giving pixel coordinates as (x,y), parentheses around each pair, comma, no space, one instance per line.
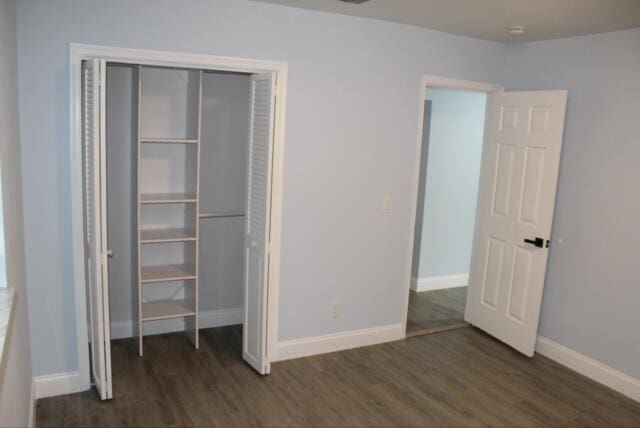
(184,158)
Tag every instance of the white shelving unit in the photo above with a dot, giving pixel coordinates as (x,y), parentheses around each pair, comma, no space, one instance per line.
(168,164)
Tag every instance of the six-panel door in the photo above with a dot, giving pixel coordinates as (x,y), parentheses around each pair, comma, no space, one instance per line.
(520,161)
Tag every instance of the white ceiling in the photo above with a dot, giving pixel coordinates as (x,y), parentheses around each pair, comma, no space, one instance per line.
(490,19)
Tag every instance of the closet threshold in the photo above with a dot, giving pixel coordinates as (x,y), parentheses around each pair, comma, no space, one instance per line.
(166,309)
(169,140)
(166,273)
(167,198)
(151,236)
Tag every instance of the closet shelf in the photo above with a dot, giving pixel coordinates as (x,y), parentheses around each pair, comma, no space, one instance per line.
(166,235)
(167,273)
(167,198)
(169,140)
(166,309)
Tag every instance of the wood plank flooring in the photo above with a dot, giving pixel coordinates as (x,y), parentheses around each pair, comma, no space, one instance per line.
(436,310)
(461,378)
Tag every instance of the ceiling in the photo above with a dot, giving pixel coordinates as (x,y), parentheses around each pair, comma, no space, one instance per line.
(490,19)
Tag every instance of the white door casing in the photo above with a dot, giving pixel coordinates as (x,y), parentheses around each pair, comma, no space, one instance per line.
(257,233)
(518,179)
(95,194)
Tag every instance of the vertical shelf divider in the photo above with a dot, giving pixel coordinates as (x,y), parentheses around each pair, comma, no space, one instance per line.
(138,330)
(192,323)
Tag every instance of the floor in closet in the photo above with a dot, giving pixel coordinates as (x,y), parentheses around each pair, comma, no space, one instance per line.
(457,378)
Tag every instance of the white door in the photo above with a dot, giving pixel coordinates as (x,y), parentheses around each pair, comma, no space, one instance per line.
(520,161)
(254,346)
(95,194)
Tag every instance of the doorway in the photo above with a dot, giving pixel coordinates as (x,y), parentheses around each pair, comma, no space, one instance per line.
(452,137)
(180,154)
(518,175)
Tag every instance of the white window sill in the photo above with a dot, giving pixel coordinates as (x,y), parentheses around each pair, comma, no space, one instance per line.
(7,299)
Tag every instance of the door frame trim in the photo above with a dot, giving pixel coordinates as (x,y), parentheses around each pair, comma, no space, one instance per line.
(80,52)
(430,81)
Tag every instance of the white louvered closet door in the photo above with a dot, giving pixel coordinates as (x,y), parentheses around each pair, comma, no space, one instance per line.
(254,346)
(94,163)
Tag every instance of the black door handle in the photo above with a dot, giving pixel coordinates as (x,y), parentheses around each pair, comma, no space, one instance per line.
(538,242)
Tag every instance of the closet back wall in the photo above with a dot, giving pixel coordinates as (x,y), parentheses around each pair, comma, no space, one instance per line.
(225,118)
(121,195)
(223,177)
(351,129)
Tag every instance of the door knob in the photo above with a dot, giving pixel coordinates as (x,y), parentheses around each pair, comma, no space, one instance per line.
(538,242)
(110,253)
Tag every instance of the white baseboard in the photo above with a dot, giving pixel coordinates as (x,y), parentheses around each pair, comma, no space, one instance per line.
(207,319)
(439,282)
(589,367)
(297,348)
(57,384)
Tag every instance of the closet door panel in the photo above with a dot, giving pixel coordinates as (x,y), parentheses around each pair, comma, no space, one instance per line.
(96,260)
(258,221)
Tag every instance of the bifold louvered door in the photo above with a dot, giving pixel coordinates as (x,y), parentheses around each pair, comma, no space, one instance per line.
(519,174)
(95,193)
(254,347)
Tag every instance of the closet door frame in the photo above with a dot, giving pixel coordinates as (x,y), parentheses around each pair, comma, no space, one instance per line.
(80,379)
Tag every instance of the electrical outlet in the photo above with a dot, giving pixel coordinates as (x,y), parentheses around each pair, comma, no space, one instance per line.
(335,310)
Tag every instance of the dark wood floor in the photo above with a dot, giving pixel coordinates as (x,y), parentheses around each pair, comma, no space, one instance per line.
(436,310)
(458,378)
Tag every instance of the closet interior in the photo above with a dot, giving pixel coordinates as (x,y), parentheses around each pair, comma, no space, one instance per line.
(177,154)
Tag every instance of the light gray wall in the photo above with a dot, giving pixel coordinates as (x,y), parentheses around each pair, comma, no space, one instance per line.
(223,176)
(15,372)
(352,119)
(452,177)
(592,289)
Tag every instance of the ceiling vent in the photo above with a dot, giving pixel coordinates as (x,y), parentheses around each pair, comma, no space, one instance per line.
(353,1)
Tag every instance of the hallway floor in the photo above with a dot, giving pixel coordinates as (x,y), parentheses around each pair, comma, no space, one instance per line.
(436,310)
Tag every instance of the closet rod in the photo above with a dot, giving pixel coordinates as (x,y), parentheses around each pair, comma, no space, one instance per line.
(221,214)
